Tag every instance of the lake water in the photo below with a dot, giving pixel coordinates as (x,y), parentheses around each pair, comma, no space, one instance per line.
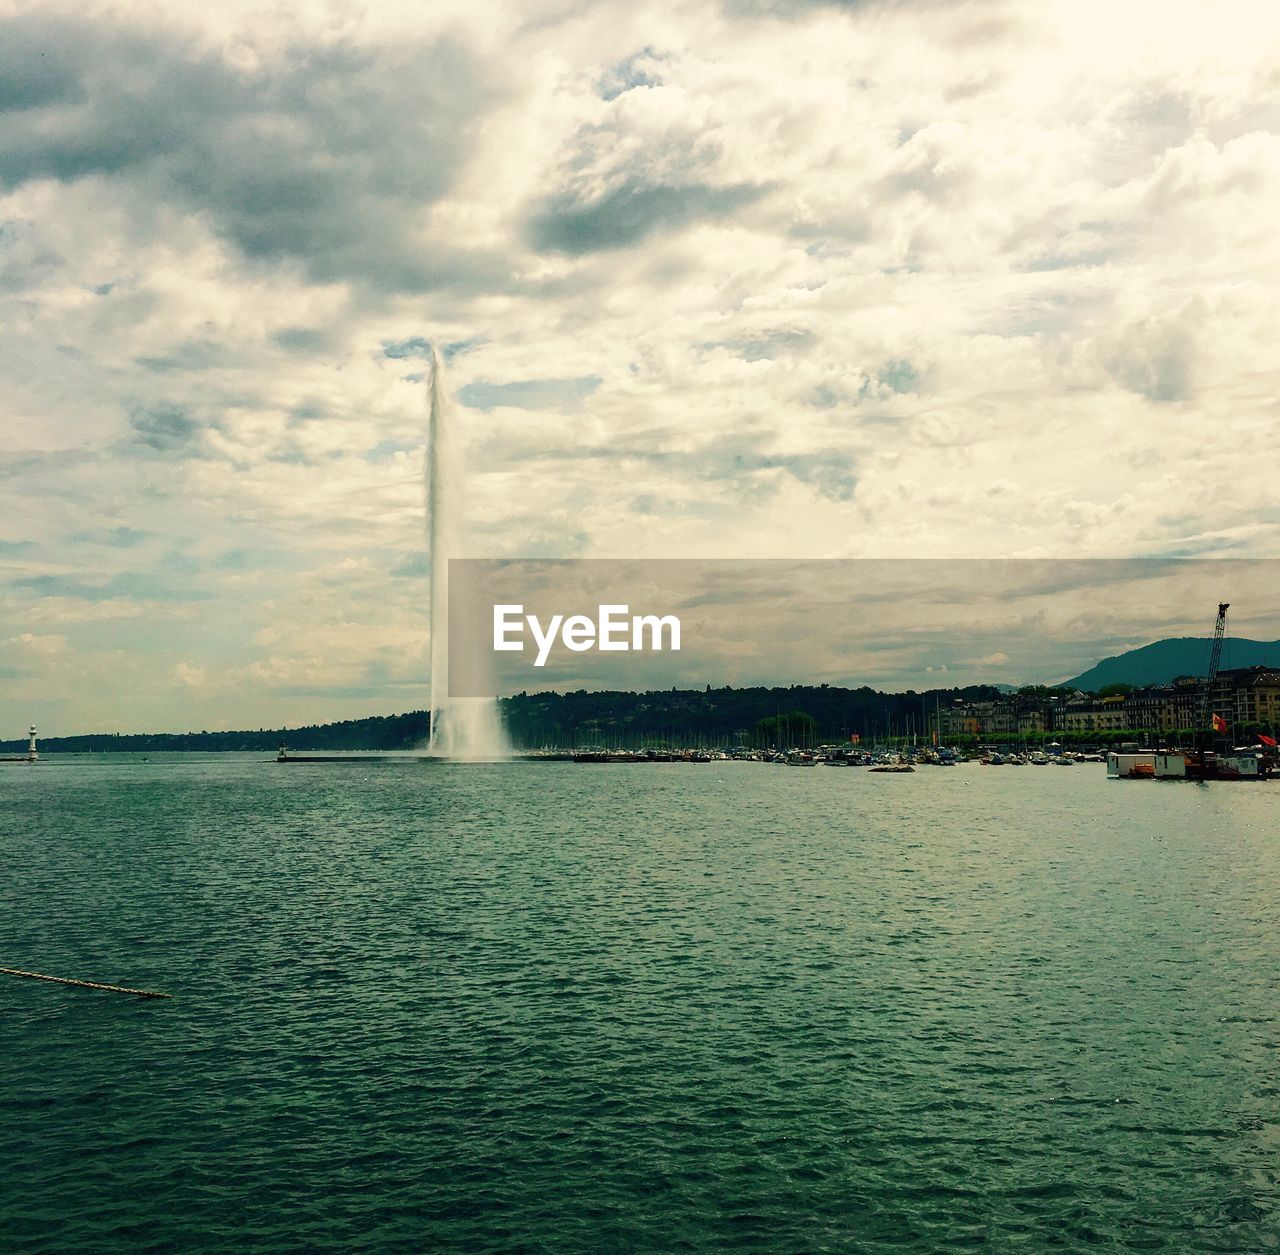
(562,1008)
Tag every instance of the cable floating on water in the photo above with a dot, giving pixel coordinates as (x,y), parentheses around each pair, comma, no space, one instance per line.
(84,984)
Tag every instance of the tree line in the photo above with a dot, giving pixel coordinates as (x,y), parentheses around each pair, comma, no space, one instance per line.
(793,716)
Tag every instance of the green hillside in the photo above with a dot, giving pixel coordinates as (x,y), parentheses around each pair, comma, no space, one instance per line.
(1164,661)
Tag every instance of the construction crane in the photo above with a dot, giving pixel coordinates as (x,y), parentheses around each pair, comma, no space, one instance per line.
(1215,657)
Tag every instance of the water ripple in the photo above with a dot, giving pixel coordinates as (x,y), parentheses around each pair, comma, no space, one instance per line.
(541,1008)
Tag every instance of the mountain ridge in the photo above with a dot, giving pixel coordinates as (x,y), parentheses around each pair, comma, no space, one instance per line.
(1163,661)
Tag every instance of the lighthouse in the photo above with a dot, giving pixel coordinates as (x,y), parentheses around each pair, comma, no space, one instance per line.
(32,756)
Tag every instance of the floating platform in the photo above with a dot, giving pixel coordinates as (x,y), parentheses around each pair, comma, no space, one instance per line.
(641,758)
(285,757)
(392,758)
(1163,765)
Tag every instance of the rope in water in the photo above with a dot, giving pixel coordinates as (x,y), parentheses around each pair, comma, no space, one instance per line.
(84,984)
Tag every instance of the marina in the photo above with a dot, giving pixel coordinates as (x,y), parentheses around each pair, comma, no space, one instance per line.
(1243,763)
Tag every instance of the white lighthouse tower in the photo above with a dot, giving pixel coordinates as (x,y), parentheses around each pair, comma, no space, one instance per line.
(32,756)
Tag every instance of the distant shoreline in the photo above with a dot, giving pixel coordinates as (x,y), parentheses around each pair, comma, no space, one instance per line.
(794,716)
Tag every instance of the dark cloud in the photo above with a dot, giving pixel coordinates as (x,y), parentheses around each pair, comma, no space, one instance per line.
(1066,259)
(798,9)
(631,213)
(1156,357)
(325,157)
(638,70)
(290,453)
(24,259)
(529,394)
(1161,377)
(36,70)
(743,463)
(1141,124)
(830,472)
(385,450)
(242,560)
(456,348)
(900,377)
(418,346)
(165,428)
(767,345)
(115,537)
(415,566)
(415,346)
(301,339)
(196,355)
(750,468)
(128,585)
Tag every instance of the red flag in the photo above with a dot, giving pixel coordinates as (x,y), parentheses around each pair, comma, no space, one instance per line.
(1267,740)
(1219,723)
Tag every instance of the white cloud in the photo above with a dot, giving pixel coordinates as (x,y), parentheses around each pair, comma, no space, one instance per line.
(30,643)
(188,675)
(895,279)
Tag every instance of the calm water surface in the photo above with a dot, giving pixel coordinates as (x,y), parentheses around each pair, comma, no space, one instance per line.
(654,1008)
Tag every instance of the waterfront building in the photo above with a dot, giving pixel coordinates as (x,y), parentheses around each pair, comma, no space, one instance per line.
(1033,718)
(1163,707)
(1247,695)
(1092,714)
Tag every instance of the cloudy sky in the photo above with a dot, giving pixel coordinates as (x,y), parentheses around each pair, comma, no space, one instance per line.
(743,279)
(891,623)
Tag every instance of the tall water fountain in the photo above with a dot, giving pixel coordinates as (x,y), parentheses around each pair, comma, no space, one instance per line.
(461,727)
